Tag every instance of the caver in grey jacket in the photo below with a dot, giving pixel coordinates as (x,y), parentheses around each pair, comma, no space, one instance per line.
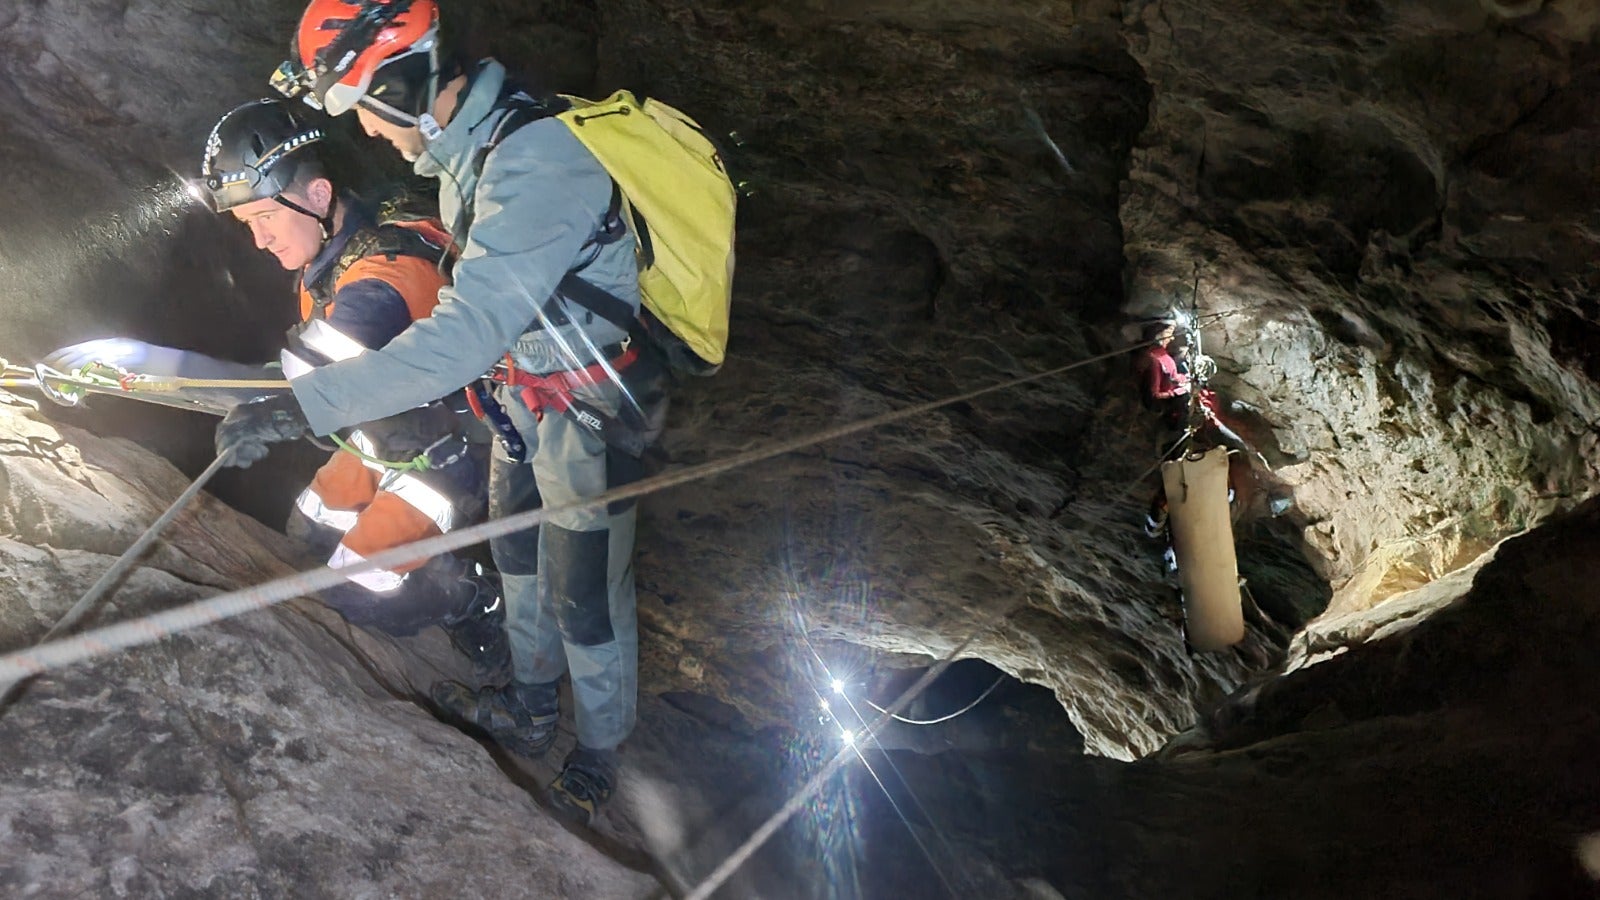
(536,210)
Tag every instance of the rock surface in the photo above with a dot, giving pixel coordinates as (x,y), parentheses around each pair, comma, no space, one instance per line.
(1382,196)
(1388,210)
(281,754)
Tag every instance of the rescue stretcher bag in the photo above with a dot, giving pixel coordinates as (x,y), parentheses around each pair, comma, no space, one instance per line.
(1202,539)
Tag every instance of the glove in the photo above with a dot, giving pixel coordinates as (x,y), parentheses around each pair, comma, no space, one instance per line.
(122,353)
(247,431)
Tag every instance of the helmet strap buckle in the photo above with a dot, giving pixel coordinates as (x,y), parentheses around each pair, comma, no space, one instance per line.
(426,123)
(430,127)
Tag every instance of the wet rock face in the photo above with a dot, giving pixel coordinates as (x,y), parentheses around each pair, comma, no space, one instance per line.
(275,755)
(1383,197)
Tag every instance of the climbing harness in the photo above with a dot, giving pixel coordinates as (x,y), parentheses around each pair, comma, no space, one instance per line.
(554,392)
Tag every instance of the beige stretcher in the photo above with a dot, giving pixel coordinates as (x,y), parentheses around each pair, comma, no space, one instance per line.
(1202,539)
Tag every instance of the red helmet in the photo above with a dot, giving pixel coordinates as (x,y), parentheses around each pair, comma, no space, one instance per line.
(340,47)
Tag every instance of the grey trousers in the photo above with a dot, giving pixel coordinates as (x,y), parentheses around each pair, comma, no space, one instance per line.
(569,592)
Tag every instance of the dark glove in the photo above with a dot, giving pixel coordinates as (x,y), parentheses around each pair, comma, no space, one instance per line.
(247,431)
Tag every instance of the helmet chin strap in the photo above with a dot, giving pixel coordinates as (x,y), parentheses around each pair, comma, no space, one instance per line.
(426,123)
(326,222)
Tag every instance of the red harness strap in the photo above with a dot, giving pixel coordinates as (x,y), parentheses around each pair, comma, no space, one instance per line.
(554,391)
(474,404)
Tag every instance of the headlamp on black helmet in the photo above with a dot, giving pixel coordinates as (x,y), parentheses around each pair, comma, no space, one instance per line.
(251,154)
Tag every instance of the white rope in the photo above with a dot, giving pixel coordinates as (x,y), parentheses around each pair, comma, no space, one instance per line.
(770,827)
(942,719)
(98,642)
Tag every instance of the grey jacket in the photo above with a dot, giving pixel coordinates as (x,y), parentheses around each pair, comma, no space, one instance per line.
(537,208)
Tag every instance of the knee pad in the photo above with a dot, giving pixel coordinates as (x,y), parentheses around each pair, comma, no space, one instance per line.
(577,563)
(512,490)
(516,553)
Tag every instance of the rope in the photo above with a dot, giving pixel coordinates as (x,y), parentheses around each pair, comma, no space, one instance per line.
(418,463)
(1038,128)
(52,655)
(114,575)
(105,640)
(163,383)
(942,719)
(69,390)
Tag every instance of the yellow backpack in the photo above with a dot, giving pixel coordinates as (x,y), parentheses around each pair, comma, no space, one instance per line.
(674,190)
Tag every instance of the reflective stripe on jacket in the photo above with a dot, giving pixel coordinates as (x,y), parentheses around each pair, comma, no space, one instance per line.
(376,509)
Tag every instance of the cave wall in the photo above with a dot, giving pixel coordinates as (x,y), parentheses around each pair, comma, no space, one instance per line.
(1388,199)
(1386,202)
(106,107)
(1375,195)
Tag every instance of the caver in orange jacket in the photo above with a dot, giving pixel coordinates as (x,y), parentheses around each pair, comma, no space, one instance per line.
(369,283)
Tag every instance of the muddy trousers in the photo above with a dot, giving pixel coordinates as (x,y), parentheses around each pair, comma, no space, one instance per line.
(568,583)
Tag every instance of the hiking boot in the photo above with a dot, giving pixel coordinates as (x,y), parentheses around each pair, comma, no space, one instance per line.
(584,785)
(519,717)
(478,628)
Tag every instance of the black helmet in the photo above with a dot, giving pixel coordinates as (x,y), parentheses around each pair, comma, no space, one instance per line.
(253,154)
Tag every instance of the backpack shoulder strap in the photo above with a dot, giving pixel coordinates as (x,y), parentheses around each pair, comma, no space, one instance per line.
(521,109)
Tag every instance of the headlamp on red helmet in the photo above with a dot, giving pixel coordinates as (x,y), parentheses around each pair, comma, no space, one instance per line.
(380,54)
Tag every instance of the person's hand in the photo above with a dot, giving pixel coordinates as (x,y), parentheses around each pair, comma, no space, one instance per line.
(118,353)
(245,435)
